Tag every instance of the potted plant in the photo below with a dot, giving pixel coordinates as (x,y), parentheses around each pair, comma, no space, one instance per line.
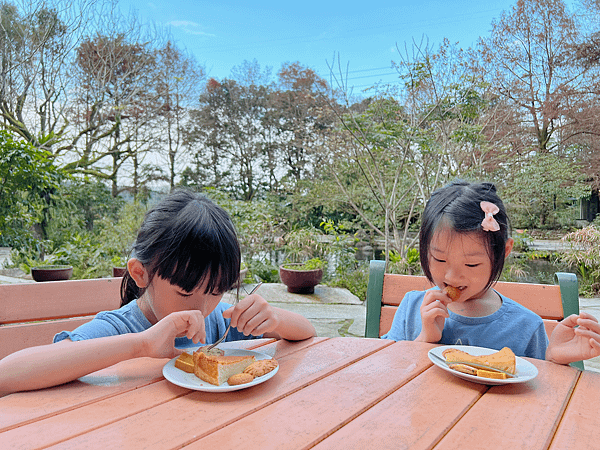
(52,272)
(303,269)
(301,278)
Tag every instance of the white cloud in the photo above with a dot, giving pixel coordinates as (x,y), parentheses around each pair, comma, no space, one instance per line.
(189,27)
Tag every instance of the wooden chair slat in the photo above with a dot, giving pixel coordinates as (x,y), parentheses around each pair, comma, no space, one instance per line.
(57,299)
(15,337)
(32,313)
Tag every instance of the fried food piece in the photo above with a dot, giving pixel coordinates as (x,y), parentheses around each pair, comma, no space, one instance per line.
(452,292)
(239,378)
(261,367)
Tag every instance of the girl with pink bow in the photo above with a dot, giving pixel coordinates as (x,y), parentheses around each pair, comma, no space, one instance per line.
(463,241)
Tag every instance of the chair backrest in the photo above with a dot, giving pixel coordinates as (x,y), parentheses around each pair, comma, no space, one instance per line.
(551,302)
(32,313)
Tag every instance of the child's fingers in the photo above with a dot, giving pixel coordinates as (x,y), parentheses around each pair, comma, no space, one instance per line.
(570,321)
(260,327)
(585,315)
(589,324)
(436,296)
(196,331)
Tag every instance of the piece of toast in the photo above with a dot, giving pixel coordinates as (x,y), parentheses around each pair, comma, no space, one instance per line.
(503,360)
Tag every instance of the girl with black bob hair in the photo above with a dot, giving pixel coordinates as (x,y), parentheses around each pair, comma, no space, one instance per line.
(185,239)
(464,240)
(459,206)
(185,257)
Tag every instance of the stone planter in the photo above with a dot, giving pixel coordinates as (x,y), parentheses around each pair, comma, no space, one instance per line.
(51,273)
(119,271)
(300,281)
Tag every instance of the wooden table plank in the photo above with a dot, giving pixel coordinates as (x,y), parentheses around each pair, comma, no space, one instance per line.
(349,393)
(58,428)
(580,426)
(309,416)
(521,416)
(24,407)
(188,418)
(413,417)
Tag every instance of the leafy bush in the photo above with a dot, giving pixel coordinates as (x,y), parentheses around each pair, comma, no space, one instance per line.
(356,281)
(584,256)
(266,272)
(410,264)
(522,241)
(28,177)
(311,264)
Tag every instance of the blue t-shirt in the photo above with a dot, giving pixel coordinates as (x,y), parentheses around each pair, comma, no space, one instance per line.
(130,319)
(512,326)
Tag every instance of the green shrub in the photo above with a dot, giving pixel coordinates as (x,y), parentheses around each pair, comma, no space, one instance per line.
(356,281)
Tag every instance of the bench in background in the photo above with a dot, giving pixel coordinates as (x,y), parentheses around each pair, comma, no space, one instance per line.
(32,313)
(551,302)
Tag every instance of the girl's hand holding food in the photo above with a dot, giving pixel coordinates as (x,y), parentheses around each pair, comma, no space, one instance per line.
(159,339)
(434,313)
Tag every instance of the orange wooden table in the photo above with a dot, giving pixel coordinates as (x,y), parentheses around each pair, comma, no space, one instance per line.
(346,393)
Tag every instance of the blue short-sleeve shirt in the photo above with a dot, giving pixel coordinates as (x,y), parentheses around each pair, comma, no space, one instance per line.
(512,326)
(130,319)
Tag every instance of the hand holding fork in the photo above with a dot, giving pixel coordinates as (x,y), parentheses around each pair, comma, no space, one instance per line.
(211,346)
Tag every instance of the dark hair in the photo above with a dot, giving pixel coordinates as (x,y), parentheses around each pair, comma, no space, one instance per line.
(457,205)
(186,238)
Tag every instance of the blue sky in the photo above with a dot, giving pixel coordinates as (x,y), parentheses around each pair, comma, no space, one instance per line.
(222,34)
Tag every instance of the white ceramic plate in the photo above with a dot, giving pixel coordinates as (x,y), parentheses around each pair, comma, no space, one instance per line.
(525,370)
(191,381)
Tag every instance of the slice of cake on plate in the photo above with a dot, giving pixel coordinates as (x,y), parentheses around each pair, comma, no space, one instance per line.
(215,369)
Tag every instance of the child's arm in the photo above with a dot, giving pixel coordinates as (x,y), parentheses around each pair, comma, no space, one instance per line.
(575,338)
(254,315)
(54,364)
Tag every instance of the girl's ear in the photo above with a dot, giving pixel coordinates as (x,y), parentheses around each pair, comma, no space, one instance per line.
(509,246)
(138,272)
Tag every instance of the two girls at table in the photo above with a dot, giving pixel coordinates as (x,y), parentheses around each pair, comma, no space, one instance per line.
(464,240)
(186,256)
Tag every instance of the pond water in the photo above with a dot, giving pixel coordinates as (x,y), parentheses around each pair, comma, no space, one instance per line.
(539,270)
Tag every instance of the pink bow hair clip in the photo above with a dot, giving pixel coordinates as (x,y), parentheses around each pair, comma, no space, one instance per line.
(489,223)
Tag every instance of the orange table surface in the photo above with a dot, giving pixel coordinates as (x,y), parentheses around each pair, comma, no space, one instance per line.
(338,393)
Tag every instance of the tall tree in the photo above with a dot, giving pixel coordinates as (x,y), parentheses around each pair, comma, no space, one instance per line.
(227,132)
(178,85)
(36,43)
(528,54)
(302,118)
(410,138)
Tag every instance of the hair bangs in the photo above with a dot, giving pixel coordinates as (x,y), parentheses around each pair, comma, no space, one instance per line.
(202,246)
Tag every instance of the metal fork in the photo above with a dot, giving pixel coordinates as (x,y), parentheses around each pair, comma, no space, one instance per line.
(211,346)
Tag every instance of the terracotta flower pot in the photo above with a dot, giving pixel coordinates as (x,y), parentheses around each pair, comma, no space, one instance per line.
(300,281)
(51,273)
(119,271)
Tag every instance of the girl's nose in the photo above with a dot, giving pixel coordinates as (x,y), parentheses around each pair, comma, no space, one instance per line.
(453,276)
